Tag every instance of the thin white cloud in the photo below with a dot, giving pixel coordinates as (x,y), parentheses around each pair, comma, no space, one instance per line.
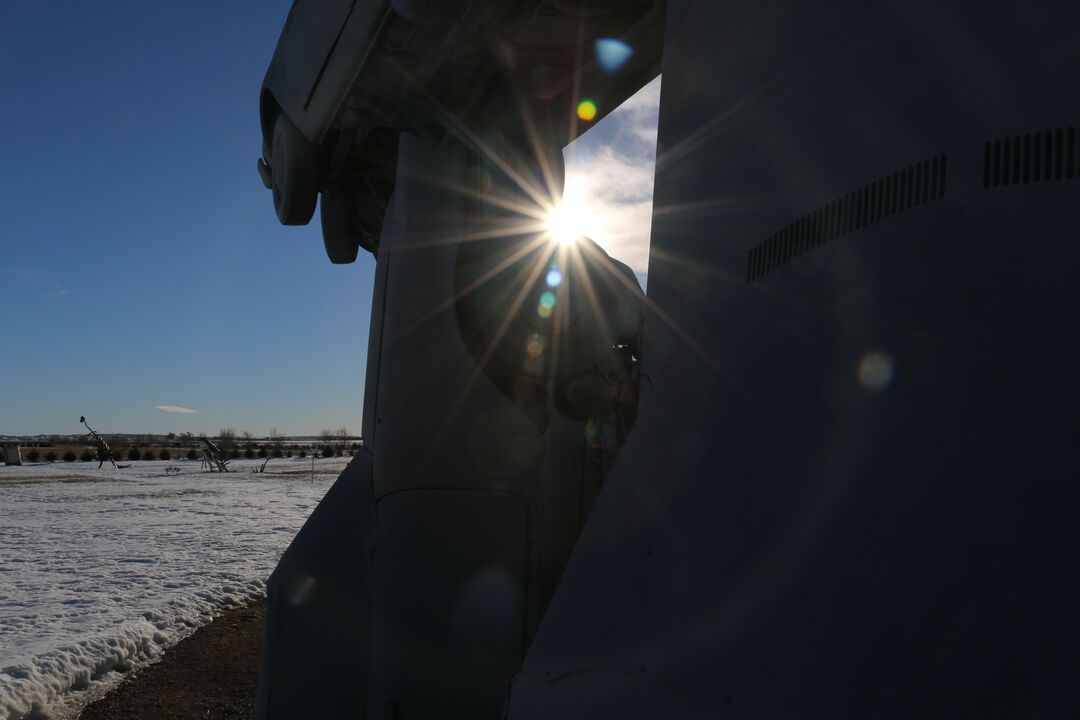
(174,409)
(41,284)
(610,170)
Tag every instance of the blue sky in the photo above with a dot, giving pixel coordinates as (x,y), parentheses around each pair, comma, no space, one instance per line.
(610,170)
(142,264)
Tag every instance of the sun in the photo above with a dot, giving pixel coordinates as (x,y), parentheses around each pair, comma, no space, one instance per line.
(565,223)
(571,218)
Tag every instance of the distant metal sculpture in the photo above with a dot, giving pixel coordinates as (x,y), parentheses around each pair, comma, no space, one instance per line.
(12,455)
(104,452)
(261,468)
(213,456)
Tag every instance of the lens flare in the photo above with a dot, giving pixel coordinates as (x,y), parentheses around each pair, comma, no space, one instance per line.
(875,371)
(612,54)
(546,305)
(554,277)
(586,110)
(535,346)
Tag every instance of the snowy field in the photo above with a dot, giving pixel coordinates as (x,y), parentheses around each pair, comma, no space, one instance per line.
(102,570)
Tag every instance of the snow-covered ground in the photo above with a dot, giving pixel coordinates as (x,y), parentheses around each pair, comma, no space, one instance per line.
(102,570)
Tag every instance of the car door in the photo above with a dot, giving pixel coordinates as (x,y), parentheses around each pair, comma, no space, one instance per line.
(311,31)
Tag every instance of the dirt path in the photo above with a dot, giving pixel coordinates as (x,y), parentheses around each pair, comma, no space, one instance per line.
(209,676)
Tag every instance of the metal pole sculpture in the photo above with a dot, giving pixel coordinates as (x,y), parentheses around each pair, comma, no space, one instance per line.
(104,452)
(213,456)
(849,489)
(493,343)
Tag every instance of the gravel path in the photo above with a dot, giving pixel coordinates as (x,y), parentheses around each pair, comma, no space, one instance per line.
(211,675)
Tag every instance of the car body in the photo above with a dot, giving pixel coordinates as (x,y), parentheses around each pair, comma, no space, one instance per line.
(348,76)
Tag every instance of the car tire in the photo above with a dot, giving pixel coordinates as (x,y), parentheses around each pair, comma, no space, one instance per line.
(350,221)
(294,173)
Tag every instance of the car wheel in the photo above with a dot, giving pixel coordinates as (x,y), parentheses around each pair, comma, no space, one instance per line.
(294,173)
(350,221)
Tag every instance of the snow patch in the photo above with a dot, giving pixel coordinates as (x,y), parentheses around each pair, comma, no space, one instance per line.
(57,683)
(101,575)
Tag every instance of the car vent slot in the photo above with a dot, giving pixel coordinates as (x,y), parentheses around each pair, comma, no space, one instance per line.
(896,193)
(1040,156)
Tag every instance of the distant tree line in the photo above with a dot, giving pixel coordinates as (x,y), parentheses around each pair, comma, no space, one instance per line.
(330,443)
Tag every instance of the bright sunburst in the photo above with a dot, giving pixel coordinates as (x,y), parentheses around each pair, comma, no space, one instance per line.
(572,217)
(564,224)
